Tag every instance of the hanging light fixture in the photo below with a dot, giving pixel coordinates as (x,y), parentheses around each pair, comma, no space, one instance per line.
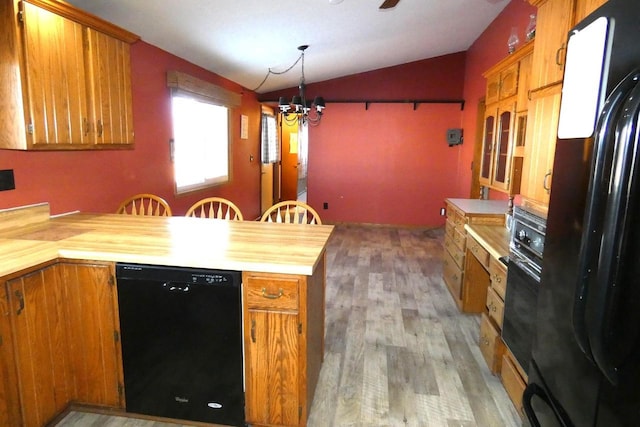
(300,109)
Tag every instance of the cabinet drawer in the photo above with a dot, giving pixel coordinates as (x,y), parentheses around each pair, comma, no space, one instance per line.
(478,251)
(498,276)
(495,305)
(452,275)
(513,383)
(460,238)
(491,344)
(456,253)
(271,293)
(451,212)
(460,220)
(449,227)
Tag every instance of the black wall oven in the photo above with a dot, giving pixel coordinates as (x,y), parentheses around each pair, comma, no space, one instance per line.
(523,279)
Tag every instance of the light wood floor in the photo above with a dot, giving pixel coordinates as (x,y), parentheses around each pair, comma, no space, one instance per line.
(397,351)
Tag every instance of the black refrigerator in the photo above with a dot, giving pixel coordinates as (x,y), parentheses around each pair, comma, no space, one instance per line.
(585,365)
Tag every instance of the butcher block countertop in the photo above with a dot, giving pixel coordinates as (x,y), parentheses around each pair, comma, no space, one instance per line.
(494,238)
(28,236)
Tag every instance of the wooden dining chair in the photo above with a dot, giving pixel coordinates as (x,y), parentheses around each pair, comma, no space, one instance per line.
(292,212)
(145,205)
(215,207)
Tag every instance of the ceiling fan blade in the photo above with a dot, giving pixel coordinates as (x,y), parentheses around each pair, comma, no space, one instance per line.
(388,4)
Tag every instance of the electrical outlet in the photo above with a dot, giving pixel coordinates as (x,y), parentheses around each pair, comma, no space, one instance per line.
(443,211)
(7,181)
(325,205)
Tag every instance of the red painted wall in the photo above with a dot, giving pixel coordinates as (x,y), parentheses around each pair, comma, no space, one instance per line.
(388,164)
(486,51)
(96,181)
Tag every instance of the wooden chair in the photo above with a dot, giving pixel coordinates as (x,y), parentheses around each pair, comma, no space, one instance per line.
(145,205)
(215,207)
(291,212)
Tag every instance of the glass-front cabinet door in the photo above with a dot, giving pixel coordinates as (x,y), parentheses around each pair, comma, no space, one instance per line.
(503,139)
(486,168)
(495,170)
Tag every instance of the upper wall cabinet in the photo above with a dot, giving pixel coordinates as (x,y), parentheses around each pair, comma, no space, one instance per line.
(585,7)
(69,79)
(506,105)
(555,19)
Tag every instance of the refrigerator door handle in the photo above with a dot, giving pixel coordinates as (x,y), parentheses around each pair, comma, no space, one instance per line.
(529,392)
(596,203)
(607,327)
(534,390)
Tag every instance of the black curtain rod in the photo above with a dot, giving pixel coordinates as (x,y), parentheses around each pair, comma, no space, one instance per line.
(415,102)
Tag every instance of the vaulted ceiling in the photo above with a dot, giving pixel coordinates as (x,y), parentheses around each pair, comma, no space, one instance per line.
(242,39)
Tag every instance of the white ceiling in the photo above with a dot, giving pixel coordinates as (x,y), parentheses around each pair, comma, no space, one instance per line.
(242,39)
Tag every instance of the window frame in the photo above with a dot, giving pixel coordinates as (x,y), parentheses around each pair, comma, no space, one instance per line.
(207,183)
(185,85)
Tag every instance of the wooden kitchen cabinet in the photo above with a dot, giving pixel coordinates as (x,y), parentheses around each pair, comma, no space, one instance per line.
(506,104)
(491,345)
(93,330)
(503,83)
(486,245)
(284,330)
(514,380)
(555,19)
(469,293)
(42,368)
(585,7)
(59,342)
(542,132)
(495,166)
(68,82)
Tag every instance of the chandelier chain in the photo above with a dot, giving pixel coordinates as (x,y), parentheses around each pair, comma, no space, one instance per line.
(277,73)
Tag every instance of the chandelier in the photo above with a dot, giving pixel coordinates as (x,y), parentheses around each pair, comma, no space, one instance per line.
(300,109)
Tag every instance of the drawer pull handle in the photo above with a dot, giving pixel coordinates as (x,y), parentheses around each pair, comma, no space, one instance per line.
(498,279)
(21,301)
(272,296)
(253,330)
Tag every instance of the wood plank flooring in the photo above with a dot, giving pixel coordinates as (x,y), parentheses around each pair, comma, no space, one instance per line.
(397,350)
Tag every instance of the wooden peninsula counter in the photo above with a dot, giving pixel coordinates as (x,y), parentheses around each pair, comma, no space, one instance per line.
(59,331)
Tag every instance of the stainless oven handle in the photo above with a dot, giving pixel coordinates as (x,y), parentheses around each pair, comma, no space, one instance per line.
(528,266)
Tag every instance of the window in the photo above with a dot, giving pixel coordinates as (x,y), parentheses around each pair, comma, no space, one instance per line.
(270,147)
(201,133)
(201,143)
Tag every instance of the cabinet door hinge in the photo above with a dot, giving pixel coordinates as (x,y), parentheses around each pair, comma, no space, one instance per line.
(300,328)
(112,280)
(21,16)
(116,336)
(30,128)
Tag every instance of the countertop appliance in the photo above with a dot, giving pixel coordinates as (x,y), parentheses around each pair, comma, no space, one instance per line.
(585,367)
(182,342)
(523,279)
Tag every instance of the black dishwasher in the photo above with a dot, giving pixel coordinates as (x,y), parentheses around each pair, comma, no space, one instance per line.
(182,342)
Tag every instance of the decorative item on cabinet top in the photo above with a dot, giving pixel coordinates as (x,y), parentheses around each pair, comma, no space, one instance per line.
(89,106)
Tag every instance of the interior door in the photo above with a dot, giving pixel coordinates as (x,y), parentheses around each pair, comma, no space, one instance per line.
(290,163)
(266,186)
(303,161)
(269,161)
